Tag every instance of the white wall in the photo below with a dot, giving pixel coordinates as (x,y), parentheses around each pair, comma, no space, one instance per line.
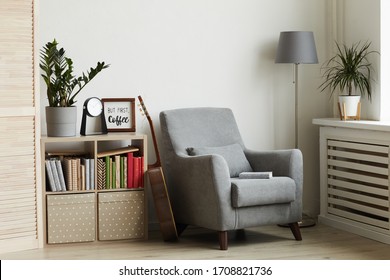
(361,23)
(385,60)
(185,53)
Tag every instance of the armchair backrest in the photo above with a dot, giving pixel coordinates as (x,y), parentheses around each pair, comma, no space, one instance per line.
(198,127)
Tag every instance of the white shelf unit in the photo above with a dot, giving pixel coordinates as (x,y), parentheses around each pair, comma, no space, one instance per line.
(98,214)
(354,171)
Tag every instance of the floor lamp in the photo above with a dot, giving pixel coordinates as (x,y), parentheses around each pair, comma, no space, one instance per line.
(297,47)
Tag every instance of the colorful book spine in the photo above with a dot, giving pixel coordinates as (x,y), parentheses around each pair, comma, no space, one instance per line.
(122,172)
(86,175)
(92,173)
(125,171)
(83,173)
(108,171)
(78,174)
(75,172)
(60,175)
(130,170)
(101,174)
(117,171)
(142,173)
(49,173)
(136,172)
(68,173)
(55,175)
(113,174)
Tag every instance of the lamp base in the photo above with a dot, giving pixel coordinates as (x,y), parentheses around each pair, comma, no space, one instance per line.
(304,223)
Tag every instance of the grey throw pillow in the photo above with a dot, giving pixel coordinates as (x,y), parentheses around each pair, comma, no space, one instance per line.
(233,154)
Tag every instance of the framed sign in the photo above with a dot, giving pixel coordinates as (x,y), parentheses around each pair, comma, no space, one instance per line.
(119,114)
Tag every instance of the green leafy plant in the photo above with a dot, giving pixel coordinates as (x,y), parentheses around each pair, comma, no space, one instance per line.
(62,85)
(349,69)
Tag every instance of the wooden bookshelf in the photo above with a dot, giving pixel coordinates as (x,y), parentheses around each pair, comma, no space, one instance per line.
(89,215)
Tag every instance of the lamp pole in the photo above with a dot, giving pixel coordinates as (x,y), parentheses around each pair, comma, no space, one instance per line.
(297,47)
(296,103)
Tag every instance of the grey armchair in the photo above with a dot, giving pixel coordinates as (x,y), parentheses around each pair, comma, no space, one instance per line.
(203,155)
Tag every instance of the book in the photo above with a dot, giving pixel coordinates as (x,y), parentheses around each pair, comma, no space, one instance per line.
(130,170)
(92,174)
(49,173)
(125,171)
(101,174)
(113,174)
(118,151)
(117,171)
(63,154)
(83,174)
(136,171)
(108,171)
(255,175)
(55,175)
(68,173)
(86,170)
(75,173)
(142,172)
(122,172)
(60,175)
(78,172)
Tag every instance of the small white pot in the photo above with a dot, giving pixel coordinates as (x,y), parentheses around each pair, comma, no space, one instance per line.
(351,105)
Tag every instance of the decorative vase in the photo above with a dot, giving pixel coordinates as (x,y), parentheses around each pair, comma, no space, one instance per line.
(349,106)
(61,121)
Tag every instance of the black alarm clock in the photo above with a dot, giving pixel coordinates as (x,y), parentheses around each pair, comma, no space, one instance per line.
(93,109)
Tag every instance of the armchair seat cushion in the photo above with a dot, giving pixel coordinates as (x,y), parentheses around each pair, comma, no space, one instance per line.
(257,192)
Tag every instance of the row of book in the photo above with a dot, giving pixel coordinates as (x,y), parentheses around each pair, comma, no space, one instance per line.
(120,171)
(115,169)
(70,173)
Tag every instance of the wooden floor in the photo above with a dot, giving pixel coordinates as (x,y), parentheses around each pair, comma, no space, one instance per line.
(270,242)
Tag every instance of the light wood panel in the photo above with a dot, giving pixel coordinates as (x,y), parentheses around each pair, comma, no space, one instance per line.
(18,126)
(16,49)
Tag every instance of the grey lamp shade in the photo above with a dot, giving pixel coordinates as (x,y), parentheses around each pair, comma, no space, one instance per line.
(296,47)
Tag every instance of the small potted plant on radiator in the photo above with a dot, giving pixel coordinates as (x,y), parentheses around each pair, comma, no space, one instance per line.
(349,70)
(62,89)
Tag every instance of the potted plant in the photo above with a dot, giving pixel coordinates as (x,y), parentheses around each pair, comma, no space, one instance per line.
(349,70)
(62,89)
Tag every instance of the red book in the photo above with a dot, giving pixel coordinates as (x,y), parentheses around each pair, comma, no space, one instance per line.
(130,170)
(137,171)
(142,172)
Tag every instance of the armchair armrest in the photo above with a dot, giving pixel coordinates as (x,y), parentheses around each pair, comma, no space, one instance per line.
(281,162)
(206,177)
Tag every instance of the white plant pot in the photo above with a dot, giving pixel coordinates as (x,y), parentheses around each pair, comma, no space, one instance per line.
(61,121)
(350,103)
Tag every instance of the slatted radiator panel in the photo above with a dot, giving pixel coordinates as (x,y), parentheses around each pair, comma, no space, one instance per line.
(358,182)
(18,167)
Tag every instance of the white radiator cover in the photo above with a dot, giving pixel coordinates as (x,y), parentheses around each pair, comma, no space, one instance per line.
(354,173)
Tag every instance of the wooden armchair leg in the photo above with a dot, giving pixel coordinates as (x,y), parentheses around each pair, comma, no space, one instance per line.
(296,231)
(223,240)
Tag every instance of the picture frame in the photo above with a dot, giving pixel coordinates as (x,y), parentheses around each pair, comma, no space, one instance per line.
(119,114)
